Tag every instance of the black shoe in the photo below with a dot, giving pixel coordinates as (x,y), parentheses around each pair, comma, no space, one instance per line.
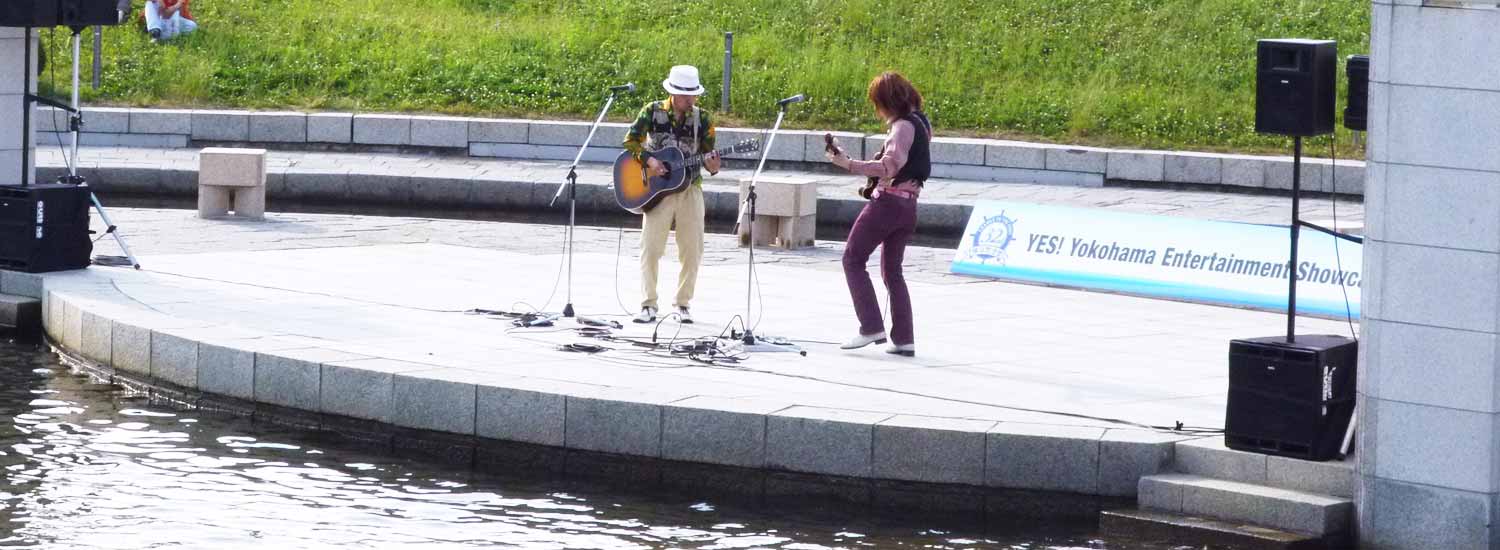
(155,34)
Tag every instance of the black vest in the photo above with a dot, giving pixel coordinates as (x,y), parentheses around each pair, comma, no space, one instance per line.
(919,160)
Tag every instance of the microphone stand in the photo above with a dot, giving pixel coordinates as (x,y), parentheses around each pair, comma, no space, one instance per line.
(748,205)
(572,186)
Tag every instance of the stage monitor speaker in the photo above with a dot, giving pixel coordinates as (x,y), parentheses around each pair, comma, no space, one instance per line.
(1358,71)
(1290,399)
(1295,86)
(44,227)
(28,13)
(87,13)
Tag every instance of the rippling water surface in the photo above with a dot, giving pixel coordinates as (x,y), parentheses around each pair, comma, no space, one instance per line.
(89,465)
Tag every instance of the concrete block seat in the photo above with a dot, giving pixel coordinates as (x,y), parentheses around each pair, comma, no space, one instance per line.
(232,179)
(786,211)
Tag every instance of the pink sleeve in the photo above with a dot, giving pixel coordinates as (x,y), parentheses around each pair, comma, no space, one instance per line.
(897,147)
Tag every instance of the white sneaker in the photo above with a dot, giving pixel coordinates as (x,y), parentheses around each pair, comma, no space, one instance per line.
(647,315)
(864,340)
(683,316)
(906,350)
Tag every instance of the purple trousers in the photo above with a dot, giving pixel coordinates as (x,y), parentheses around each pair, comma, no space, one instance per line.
(887,221)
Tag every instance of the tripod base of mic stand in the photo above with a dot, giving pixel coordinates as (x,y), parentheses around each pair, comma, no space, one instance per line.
(752,343)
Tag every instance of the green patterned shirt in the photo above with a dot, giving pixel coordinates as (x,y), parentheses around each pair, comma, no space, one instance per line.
(658,126)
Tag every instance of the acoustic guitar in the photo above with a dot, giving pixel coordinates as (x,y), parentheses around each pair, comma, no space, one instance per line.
(637,192)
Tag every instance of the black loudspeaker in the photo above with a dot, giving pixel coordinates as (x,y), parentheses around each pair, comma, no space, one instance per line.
(44,227)
(87,13)
(1358,71)
(28,13)
(51,13)
(1290,399)
(1295,86)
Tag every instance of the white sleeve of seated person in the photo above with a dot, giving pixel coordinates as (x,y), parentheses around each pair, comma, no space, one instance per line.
(153,15)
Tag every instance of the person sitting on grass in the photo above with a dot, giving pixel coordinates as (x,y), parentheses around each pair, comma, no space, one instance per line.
(168,19)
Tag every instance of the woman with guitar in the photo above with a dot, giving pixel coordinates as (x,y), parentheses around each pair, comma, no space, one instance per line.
(675,122)
(896,178)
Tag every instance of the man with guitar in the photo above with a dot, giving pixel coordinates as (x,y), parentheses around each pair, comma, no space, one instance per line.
(673,122)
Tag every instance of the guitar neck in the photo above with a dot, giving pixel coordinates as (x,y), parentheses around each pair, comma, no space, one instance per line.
(697,160)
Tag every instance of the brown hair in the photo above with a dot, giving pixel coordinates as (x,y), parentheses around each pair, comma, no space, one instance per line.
(894,96)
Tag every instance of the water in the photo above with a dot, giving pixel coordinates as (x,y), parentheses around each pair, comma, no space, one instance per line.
(89,465)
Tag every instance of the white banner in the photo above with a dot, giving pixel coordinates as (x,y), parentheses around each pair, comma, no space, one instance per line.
(1224,262)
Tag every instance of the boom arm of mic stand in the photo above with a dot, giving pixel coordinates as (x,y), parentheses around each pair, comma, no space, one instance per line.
(755,177)
(573,170)
(50,103)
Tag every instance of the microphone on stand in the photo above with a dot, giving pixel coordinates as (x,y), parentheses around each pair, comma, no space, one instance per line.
(799,98)
(628,87)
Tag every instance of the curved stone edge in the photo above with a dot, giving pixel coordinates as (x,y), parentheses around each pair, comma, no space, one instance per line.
(953,157)
(316,377)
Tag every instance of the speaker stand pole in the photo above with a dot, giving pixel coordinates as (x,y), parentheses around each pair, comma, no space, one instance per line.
(75,125)
(1291,291)
(26,112)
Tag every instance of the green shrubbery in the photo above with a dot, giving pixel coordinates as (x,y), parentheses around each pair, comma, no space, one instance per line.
(1143,73)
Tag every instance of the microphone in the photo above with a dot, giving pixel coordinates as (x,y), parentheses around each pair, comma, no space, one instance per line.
(628,87)
(799,98)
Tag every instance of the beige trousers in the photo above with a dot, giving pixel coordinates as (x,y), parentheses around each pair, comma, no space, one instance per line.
(685,209)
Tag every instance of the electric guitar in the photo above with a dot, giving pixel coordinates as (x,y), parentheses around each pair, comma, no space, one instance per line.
(867,191)
(637,192)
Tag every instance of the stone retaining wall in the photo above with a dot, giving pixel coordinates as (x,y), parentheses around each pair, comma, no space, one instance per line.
(957,158)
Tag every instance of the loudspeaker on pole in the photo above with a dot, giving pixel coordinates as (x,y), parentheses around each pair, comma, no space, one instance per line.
(52,13)
(1358,71)
(1295,86)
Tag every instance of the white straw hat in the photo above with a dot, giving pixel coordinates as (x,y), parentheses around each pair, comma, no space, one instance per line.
(683,80)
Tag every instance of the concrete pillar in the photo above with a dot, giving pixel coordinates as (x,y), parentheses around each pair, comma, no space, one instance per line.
(1429,397)
(11,64)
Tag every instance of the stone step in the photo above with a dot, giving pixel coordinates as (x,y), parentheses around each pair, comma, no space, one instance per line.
(1234,501)
(1178,529)
(20,315)
(1209,457)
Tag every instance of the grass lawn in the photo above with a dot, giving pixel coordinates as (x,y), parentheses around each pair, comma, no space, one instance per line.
(1137,73)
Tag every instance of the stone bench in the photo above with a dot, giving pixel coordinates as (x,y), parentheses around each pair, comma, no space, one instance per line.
(232,179)
(786,212)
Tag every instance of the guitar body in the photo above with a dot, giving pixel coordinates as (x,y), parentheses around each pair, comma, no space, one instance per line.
(636,191)
(868,191)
